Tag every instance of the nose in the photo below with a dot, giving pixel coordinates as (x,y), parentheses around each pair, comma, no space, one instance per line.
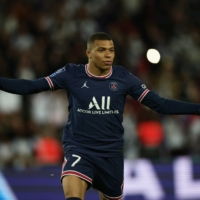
(108,54)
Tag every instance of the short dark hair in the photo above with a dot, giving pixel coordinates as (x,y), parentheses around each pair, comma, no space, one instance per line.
(98,36)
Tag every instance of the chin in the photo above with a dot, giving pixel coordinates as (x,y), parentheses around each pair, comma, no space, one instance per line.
(106,67)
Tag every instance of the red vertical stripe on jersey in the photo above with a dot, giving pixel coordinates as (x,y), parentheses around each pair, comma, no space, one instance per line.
(64,163)
(50,83)
(143,95)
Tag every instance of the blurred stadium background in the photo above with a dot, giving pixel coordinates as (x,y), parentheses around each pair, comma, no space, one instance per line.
(37,37)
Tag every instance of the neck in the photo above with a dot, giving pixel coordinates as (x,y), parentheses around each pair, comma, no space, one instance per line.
(101,73)
(97,71)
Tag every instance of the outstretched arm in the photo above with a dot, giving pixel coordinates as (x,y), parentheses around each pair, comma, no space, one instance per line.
(139,91)
(169,106)
(21,86)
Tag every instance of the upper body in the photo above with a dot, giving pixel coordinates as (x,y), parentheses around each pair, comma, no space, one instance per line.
(97,94)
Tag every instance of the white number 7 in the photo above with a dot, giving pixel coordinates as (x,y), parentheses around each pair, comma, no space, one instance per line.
(76,161)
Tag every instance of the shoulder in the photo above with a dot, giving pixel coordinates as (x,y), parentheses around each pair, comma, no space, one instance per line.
(67,71)
(122,71)
(125,75)
(69,68)
(72,66)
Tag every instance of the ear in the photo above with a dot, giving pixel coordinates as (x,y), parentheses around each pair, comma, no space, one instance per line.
(88,53)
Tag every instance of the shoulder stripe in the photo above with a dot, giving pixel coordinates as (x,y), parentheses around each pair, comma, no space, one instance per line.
(50,83)
(143,95)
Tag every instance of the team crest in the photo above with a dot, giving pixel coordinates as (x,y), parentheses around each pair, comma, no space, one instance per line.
(113,86)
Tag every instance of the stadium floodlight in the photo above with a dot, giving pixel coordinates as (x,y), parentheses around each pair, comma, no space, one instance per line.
(153,56)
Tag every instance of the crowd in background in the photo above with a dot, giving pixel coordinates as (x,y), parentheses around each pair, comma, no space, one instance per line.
(38,37)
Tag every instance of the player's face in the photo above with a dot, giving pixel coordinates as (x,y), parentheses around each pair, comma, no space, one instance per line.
(101,55)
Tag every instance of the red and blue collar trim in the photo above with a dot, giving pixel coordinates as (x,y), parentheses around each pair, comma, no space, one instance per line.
(91,75)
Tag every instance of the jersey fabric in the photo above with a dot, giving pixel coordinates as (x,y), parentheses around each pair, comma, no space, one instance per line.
(96,105)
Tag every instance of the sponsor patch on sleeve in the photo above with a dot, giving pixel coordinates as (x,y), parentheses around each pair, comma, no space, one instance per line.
(143,86)
(58,72)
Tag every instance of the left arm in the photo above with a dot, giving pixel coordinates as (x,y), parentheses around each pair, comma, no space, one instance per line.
(140,93)
(169,106)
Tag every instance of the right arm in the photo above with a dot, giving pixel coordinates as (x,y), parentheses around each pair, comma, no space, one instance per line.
(24,87)
(58,80)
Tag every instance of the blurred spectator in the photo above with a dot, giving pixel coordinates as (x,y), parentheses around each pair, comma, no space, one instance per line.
(194,135)
(23,153)
(175,136)
(131,147)
(49,108)
(6,152)
(10,103)
(151,137)
(47,149)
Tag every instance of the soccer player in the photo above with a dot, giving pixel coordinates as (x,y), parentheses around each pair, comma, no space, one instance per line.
(92,137)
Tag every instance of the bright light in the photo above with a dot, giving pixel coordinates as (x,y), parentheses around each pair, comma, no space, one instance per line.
(153,56)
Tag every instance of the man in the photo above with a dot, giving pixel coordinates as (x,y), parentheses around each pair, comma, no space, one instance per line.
(92,136)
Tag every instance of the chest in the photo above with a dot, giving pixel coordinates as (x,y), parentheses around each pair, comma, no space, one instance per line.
(100,94)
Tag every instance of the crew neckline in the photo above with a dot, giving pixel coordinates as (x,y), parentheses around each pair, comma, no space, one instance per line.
(94,76)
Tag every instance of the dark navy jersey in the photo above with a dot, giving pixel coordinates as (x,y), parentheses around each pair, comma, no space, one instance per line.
(96,105)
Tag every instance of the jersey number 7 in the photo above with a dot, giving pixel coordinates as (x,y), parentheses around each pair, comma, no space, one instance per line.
(76,161)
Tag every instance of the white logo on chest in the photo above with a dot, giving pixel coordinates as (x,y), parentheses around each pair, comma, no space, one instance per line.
(84,85)
(105,103)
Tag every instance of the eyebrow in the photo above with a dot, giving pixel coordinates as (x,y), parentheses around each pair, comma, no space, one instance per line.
(105,48)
